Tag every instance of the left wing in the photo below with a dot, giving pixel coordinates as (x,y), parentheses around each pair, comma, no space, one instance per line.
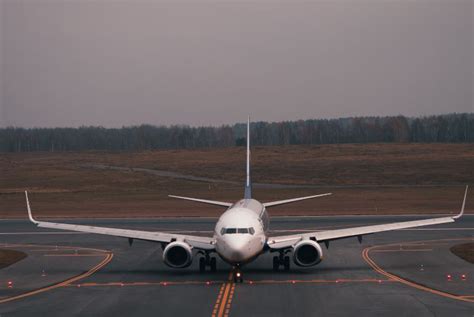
(204,243)
(282,242)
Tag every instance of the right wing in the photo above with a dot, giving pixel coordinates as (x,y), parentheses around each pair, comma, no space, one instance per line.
(204,243)
(283,242)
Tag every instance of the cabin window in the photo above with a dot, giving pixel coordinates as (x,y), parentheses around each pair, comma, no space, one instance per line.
(251,230)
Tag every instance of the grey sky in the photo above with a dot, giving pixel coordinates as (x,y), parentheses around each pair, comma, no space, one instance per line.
(111,63)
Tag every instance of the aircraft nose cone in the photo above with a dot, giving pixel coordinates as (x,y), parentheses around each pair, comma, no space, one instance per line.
(237,249)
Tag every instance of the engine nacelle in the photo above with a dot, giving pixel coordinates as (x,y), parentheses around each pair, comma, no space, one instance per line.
(307,253)
(178,255)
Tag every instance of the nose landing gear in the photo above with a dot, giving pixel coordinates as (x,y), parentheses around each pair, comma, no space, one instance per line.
(209,261)
(237,274)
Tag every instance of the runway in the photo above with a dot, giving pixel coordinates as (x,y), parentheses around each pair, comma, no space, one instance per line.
(404,273)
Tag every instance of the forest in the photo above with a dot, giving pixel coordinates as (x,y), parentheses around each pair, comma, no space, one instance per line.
(447,128)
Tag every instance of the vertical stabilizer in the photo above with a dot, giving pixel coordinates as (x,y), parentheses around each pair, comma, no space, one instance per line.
(248,183)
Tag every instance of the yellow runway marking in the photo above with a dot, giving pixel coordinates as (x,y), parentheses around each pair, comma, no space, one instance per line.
(365,255)
(108,257)
(72,254)
(402,250)
(224,298)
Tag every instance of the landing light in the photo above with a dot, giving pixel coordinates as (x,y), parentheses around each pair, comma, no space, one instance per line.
(237,274)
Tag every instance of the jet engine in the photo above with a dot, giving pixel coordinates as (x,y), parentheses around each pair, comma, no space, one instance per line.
(307,253)
(178,255)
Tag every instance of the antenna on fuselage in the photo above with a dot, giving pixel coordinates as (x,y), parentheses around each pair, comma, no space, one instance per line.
(248,183)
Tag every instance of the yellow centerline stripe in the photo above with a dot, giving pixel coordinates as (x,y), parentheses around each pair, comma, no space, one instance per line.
(103,263)
(365,255)
(402,250)
(224,300)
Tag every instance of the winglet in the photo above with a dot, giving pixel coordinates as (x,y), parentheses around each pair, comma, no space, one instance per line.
(463,205)
(29,209)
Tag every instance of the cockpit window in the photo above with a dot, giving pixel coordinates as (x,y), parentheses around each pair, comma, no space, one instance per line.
(250,230)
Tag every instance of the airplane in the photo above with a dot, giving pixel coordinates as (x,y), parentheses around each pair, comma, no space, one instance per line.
(241,234)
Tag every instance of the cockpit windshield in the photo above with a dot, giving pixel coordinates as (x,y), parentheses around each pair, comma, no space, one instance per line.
(250,230)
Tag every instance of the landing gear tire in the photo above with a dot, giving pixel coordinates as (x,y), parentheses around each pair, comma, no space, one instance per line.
(286,263)
(281,260)
(213,265)
(202,265)
(276,263)
(207,261)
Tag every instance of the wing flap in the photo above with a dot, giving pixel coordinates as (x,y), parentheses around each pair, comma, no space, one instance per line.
(205,243)
(328,235)
(282,242)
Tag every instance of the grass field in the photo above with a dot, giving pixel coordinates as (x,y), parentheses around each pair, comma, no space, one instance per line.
(365,179)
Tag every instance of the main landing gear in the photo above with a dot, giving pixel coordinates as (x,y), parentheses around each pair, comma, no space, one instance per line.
(209,261)
(283,260)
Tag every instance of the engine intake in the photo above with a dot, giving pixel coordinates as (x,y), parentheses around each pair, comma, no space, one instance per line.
(178,255)
(307,253)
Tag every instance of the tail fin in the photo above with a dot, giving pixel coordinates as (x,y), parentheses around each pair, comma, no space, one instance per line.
(248,183)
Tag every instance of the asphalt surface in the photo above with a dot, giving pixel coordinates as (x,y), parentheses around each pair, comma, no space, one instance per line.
(403,273)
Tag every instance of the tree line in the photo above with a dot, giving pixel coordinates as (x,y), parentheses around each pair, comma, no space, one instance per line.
(450,128)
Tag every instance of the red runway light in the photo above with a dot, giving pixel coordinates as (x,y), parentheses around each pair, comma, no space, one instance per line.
(10,284)
(463,277)
(250,282)
(164,283)
(293,282)
(449,277)
(208,283)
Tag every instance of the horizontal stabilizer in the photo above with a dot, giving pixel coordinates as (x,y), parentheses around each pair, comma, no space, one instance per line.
(287,201)
(204,201)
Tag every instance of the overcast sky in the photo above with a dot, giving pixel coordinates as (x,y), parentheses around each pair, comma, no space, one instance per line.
(114,63)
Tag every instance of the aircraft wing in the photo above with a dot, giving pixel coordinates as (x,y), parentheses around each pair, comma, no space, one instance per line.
(283,242)
(204,243)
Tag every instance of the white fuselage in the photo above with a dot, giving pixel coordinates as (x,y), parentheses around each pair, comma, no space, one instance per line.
(240,232)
